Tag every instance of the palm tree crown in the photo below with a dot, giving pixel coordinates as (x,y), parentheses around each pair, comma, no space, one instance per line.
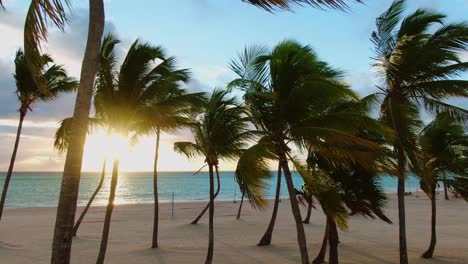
(55,76)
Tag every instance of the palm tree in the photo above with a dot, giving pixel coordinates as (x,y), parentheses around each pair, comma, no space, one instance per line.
(57,82)
(169,111)
(63,231)
(286,93)
(358,191)
(220,133)
(444,146)
(416,57)
(138,98)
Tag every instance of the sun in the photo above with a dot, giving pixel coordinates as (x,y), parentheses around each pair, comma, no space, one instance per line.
(136,157)
(101,145)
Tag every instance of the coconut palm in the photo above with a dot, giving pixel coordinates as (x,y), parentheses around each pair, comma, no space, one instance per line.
(417,57)
(126,97)
(359,193)
(220,134)
(170,110)
(287,91)
(444,146)
(57,82)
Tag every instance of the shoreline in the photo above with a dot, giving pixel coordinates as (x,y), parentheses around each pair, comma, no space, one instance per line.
(388,193)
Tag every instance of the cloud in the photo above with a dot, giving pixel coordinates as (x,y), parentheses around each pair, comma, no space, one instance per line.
(66,48)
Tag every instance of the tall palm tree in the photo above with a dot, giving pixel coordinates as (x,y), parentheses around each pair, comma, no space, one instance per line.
(444,146)
(63,231)
(170,110)
(220,133)
(137,98)
(28,92)
(417,57)
(286,92)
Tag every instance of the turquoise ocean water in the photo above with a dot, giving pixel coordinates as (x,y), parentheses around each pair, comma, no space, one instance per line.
(41,189)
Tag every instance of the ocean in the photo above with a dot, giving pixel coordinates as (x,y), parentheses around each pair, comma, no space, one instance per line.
(41,189)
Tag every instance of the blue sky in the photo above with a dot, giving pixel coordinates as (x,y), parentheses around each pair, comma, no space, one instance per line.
(204,35)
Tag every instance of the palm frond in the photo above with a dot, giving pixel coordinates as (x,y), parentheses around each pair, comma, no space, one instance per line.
(40,15)
(325,191)
(252,171)
(271,5)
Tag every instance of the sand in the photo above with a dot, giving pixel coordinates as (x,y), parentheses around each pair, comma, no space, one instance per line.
(25,235)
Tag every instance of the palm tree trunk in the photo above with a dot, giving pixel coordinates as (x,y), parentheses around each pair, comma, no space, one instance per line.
(240,207)
(266,239)
(12,163)
(301,238)
(209,256)
(445,188)
(309,212)
(109,209)
(62,241)
(195,221)
(155,189)
(430,251)
(333,240)
(323,250)
(401,207)
(98,188)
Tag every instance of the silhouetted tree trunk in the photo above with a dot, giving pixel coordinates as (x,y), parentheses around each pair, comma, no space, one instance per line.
(301,238)
(445,188)
(155,190)
(323,250)
(109,209)
(240,207)
(195,221)
(309,212)
(430,251)
(333,240)
(12,161)
(98,188)
(62,241)
(209,255)
(401,206)
(266,239)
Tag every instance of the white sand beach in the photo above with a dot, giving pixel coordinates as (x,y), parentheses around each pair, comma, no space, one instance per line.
(26,235)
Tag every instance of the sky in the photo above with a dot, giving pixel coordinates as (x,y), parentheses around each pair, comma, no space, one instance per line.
(204,35)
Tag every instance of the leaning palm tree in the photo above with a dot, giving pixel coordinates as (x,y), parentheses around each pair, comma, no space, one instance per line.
(287,91)
(220,133)
(169,111)
(416,56)
(444,146)
(57,82)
